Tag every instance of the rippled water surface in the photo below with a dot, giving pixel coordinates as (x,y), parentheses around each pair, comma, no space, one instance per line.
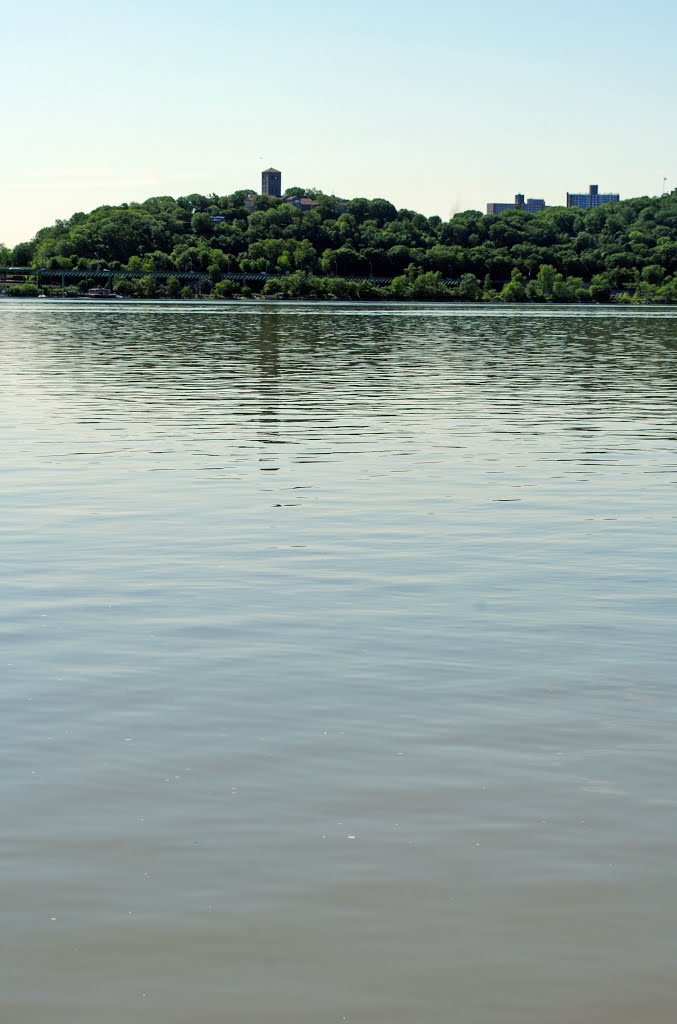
(338,659)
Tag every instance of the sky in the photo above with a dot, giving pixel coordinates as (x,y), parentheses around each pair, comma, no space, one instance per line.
(438,105)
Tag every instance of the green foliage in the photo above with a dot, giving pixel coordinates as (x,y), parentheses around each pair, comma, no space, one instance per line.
(339,250)
(514,290)
(24,291)
(488,290)
(146,288)
(22,255)
(172,287)
(470,289)
(224,289)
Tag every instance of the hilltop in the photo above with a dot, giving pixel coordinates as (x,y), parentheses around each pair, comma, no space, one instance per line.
(625,251)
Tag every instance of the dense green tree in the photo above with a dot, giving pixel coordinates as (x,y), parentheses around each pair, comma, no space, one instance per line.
(22,254)
(557,255)
(653,273)
(570,289)
(201,224)
(124,286)
(29,290)
(668,291)
(225,289)
(514,290)
(172,287)
(469,288)
(543,288)
(146,287)
(600,288)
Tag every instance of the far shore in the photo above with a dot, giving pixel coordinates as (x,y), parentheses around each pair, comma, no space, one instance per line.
(266,300)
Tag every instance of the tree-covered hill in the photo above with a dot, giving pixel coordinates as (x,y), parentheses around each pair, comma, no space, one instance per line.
(625,251)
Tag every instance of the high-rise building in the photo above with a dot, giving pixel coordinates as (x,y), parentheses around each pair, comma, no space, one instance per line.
(271,182)
(593,197)
(531,205)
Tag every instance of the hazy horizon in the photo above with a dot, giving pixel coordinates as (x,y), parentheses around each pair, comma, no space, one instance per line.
(443,111)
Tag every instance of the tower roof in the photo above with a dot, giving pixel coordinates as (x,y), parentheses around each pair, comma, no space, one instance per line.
(271,170)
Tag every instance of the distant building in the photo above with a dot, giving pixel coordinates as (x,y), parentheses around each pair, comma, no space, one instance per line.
(530,206)
(306,203)
(301,202)
(593,197)
(271,183)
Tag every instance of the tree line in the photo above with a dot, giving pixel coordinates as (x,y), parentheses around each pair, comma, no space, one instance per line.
(625,252)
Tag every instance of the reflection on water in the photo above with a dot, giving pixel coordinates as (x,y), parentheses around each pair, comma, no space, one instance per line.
(338,664)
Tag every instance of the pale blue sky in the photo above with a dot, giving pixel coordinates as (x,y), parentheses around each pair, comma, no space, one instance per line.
(436,106)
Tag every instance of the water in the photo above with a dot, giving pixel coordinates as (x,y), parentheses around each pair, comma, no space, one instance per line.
(338,653)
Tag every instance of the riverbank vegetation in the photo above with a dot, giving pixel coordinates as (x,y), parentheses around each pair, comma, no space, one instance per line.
(363,249)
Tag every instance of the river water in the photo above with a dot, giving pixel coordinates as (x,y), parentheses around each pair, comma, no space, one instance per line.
(338,656)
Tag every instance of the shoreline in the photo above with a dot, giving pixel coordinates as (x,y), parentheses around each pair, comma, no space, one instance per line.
(314,300)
